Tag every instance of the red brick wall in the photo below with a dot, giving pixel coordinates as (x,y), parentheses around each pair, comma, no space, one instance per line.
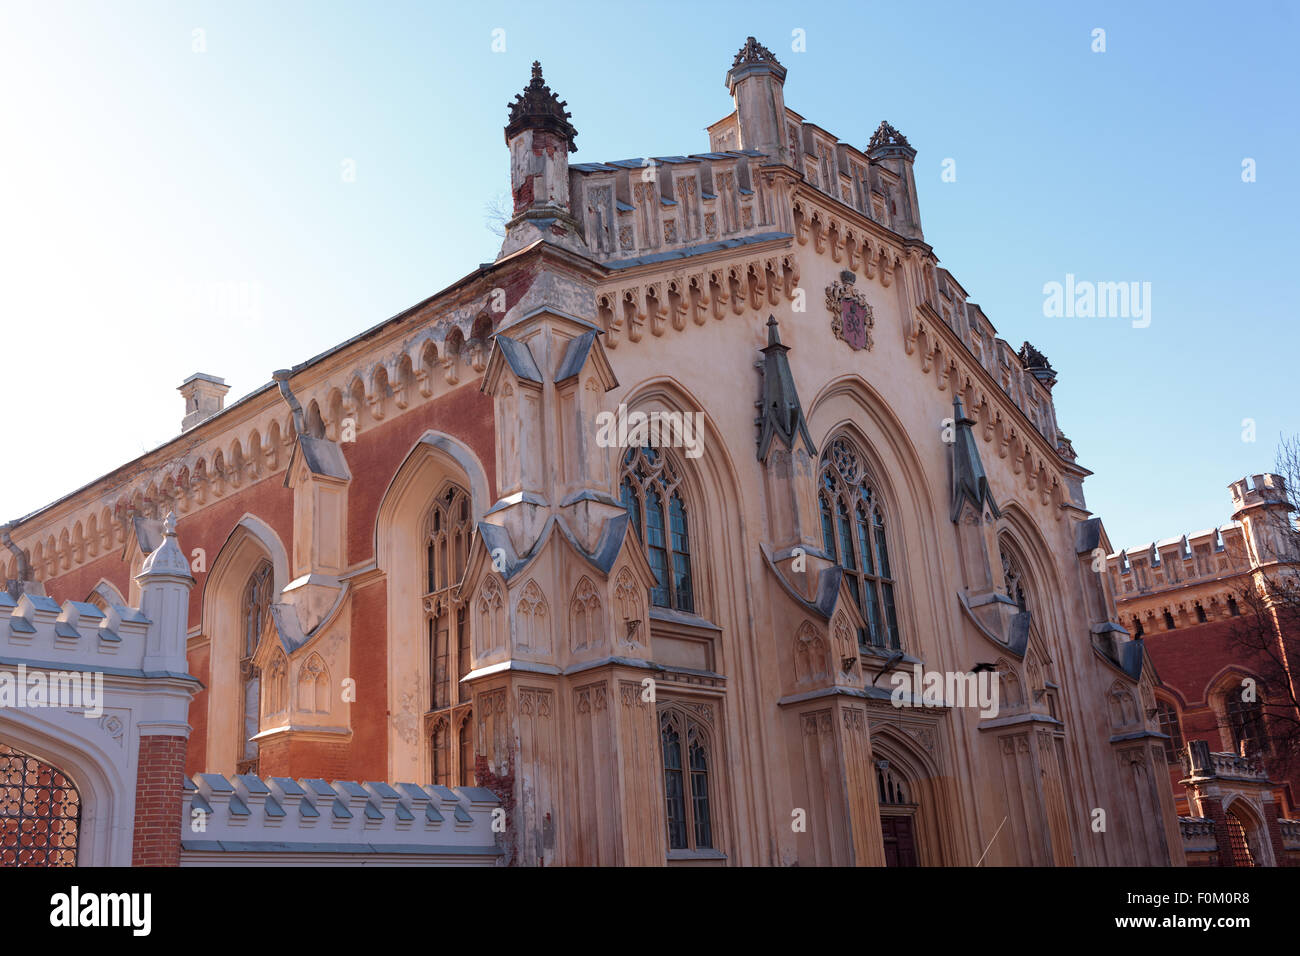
(381,447)
(210,526)
(284,756)
(158,802)
(369,653)
(1213,808)
(76,585)
(205,527)
(1188,659)
(1274,832)
(196,756)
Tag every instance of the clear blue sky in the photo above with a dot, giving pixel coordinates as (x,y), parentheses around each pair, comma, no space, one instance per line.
(167,211)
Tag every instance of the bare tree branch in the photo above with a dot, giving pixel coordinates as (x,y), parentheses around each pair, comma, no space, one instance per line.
(496,213)
(1266,637)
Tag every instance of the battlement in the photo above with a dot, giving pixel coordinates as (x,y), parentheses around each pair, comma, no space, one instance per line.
(1258,490)
(1176,562)
(74,635)
(631,208)
(245,818)
(1201,556)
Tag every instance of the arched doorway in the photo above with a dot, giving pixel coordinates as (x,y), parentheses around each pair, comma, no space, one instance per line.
(911,795)
(897,816)
(40,812)
(1247,839)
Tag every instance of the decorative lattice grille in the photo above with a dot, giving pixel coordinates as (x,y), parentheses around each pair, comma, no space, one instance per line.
(40,813)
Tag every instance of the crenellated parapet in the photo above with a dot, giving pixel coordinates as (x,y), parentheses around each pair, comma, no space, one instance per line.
(634,208)
(1197,578)
(1173,563)
(1179,581)
(74,634)
(245,819)
(146,641)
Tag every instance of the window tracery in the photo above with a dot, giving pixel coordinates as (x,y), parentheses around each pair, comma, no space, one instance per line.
(650,489)
(686,751)
(255,609)
(448,533)
(853,532)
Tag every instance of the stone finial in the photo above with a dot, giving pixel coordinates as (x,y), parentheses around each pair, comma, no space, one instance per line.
(781,411)
(539,108)
(969,481)
(754,52)
(167,558)
(1036,364)
(886,135)
(1031,358)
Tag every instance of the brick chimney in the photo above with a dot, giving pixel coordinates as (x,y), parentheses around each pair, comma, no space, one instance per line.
(205,395)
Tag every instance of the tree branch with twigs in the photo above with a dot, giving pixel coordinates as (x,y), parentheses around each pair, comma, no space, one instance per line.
(1266,635)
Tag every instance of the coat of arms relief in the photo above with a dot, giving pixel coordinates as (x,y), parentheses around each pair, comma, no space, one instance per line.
(851,317)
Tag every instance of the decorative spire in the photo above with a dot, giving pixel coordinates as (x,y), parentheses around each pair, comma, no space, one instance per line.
(754,52)
(538,108)
(1036,364)
(969,482)
(167,558)
(1031,358)
(886,135)
(782,414)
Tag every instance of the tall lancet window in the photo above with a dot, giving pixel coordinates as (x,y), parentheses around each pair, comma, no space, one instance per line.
(1245,722)
(447,536)
(854,531)
(684,742)
(651,492)
(255,611)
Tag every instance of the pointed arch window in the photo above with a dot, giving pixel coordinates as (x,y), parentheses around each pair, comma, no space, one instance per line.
(688,796)
(448,532)
(465,751)
(255,609)
(891,788)
(1167,715)
(1245,721)
(854,532)
(650,490)
(441,761)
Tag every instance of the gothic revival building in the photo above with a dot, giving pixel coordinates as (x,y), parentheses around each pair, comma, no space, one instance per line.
(635,533)
(1223,655)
